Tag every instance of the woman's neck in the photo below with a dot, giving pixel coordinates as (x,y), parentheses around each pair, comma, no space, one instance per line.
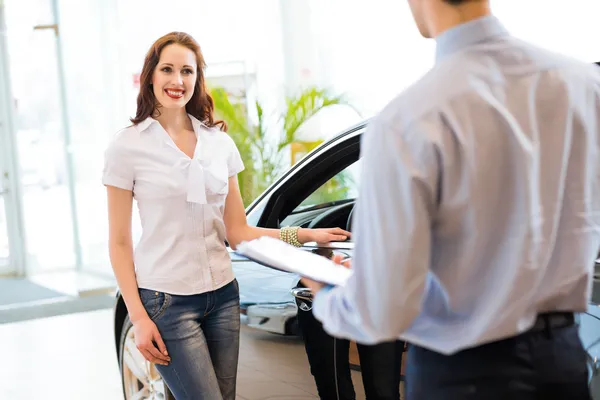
(174,120)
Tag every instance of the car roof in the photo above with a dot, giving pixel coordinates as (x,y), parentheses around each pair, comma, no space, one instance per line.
(346,132)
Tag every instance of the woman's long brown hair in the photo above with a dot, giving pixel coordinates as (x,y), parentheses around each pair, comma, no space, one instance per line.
(201,105)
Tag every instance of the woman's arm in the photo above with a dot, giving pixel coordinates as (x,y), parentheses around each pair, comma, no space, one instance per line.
(147,337)
(238,229)
(120,203)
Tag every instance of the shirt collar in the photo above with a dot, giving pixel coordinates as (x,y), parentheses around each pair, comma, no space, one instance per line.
(197,124)
(145,124)
(468,34)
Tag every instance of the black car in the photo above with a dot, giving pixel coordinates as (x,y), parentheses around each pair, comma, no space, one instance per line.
(317,192)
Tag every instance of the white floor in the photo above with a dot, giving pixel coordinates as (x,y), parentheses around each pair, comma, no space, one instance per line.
(72,357)
(65,357)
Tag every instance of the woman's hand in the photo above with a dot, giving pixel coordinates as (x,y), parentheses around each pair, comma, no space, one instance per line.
(323,235)
(149,342)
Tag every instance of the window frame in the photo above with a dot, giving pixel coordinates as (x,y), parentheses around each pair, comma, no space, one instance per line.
(299,182)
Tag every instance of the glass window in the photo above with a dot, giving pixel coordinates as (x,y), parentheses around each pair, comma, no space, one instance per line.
(40,136)
(4,249)
(343,186)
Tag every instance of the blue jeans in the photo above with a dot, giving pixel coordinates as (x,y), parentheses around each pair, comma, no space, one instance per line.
(202,334)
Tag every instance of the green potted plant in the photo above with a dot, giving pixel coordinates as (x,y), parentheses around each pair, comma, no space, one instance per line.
(264,157)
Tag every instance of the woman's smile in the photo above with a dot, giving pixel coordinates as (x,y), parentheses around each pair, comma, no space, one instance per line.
(175,93)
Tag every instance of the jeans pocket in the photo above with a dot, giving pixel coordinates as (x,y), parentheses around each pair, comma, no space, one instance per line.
(154,302)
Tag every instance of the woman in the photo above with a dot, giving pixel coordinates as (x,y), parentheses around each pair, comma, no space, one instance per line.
(182,297)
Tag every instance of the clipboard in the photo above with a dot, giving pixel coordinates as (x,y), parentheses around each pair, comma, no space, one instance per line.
(276,254)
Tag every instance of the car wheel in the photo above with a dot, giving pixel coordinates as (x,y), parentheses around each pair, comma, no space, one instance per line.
(140,378)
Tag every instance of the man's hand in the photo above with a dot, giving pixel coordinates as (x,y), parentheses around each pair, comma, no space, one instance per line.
(345,261)
(317,286)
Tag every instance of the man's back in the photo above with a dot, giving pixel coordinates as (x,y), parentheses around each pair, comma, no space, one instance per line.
(516,132)
(476,228)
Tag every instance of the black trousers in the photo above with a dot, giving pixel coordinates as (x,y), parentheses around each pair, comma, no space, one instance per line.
(328,358)
(542,364)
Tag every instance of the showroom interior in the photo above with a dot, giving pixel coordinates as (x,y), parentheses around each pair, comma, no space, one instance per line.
(69,77)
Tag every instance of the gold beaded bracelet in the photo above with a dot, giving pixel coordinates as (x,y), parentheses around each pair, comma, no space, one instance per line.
(289,234)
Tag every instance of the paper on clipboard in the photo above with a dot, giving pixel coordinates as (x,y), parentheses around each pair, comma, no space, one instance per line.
(277,254)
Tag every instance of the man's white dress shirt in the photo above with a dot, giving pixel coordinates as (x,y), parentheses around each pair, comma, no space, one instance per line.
(480,199)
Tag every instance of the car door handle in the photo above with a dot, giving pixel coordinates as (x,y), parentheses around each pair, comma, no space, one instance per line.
(302,294)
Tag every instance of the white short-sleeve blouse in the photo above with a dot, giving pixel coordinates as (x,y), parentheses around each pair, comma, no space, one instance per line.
(181,203)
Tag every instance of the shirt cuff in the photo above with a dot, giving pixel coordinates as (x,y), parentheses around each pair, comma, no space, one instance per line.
(110,180)
(319,307)
(236,170)
(326,288)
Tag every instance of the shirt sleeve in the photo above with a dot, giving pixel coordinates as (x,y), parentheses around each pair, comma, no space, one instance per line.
(118,169)
(235,165)
(393,217)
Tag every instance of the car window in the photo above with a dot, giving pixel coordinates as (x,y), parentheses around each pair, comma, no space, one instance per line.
(343,186)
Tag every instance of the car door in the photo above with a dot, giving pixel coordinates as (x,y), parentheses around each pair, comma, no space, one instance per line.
(319,191)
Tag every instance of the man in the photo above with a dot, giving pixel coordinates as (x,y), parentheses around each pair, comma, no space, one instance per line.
(328,357)
(478,217)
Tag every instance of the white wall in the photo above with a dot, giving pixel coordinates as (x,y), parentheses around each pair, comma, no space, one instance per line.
(373,50)
(567,26)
